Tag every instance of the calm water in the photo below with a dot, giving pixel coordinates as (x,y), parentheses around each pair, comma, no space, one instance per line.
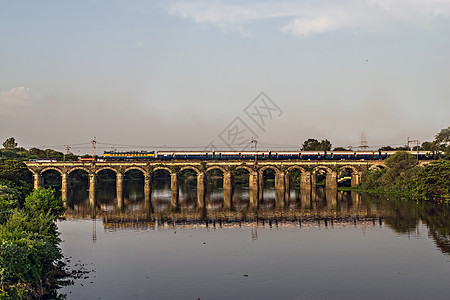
(306,245)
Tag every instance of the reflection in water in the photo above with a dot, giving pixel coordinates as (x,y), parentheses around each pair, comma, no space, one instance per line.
(305,244)
(242,207)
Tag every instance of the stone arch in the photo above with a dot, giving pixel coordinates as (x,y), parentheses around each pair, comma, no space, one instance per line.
(79,168)
(216,167)
(144,172)
(162,168)
(275,169)
(51,168)
(105,168)
(244,167)
(190,168)
(327,169)
(349,167)
(289,169)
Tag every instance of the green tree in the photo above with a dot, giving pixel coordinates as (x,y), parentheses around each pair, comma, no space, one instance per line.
(44,201)
(313,145)
(443,137)
(10,143)
(433,182)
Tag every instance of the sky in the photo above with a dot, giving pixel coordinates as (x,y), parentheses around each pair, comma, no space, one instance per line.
(176,74)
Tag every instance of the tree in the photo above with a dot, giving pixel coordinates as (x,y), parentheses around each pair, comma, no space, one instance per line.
(428,146)
(313,145)
(443,137)
(10,143)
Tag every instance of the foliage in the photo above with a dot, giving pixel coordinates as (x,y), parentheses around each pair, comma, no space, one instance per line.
(398,178)
(12,169)
(313,144)
(433,182)
(30,257)
(10,143)
(443,137)
(44,201)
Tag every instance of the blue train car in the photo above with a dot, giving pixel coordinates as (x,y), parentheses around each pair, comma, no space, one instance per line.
(312,155)
(287,155)
(227,155)
(342,155)
(249,155)
(165,155)
(366,155)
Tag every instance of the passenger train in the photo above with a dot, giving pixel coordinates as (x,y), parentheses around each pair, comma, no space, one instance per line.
(262,155)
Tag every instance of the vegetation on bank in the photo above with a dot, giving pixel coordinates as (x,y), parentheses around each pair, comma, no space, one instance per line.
(404,177)
(30,256)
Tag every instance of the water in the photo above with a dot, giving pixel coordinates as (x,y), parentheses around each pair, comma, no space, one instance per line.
(315,245)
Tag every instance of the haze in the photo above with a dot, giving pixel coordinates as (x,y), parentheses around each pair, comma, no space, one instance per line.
(176,73)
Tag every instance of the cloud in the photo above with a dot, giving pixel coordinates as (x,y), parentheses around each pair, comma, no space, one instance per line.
(16,96)
(305,18)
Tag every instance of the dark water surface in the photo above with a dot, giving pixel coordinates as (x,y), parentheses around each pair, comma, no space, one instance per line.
(305,245)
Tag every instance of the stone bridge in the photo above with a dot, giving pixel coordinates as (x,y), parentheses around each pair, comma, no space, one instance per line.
(282,169)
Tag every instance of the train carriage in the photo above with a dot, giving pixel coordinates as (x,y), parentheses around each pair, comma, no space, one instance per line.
(313,155)
(342,155)
(128,155)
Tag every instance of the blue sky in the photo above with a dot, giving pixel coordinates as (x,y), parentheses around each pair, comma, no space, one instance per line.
(178,72)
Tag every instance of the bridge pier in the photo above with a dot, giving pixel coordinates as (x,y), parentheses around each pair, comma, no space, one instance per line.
(287,186)
(119,189)
(254,188)
(92,187)
(147,187)
(65,186)
(306,181)
(228,198)
(174,189)
(228,181)
(38,180)
(228,187)
(356,179)
(201,189)
(331,180)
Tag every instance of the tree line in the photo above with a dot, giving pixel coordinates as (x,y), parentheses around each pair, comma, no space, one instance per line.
(440,143)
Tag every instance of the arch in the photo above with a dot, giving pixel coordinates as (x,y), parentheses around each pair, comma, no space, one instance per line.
(347,167)
(79,168)
(49,169)
(105,168)
(190,168)
(269,167)
(327,169)
(144,172)
(162,168)
(250,170)
(216,167)
(288,170)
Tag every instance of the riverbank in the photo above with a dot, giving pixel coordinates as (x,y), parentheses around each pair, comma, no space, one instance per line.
(31,260)
(405,178)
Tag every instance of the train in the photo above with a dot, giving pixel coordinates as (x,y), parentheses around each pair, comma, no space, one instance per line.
(261,155)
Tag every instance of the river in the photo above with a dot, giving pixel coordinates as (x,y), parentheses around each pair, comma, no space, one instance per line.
(306,245)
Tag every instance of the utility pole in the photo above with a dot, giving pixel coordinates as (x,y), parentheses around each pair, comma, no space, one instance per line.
(256,153)
(67,152)
(417,145)
(94,147)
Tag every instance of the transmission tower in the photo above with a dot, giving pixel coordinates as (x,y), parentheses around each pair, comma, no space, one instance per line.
(363,141)
(94,146)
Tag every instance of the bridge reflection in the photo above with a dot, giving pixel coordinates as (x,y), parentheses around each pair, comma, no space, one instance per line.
(240,205)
